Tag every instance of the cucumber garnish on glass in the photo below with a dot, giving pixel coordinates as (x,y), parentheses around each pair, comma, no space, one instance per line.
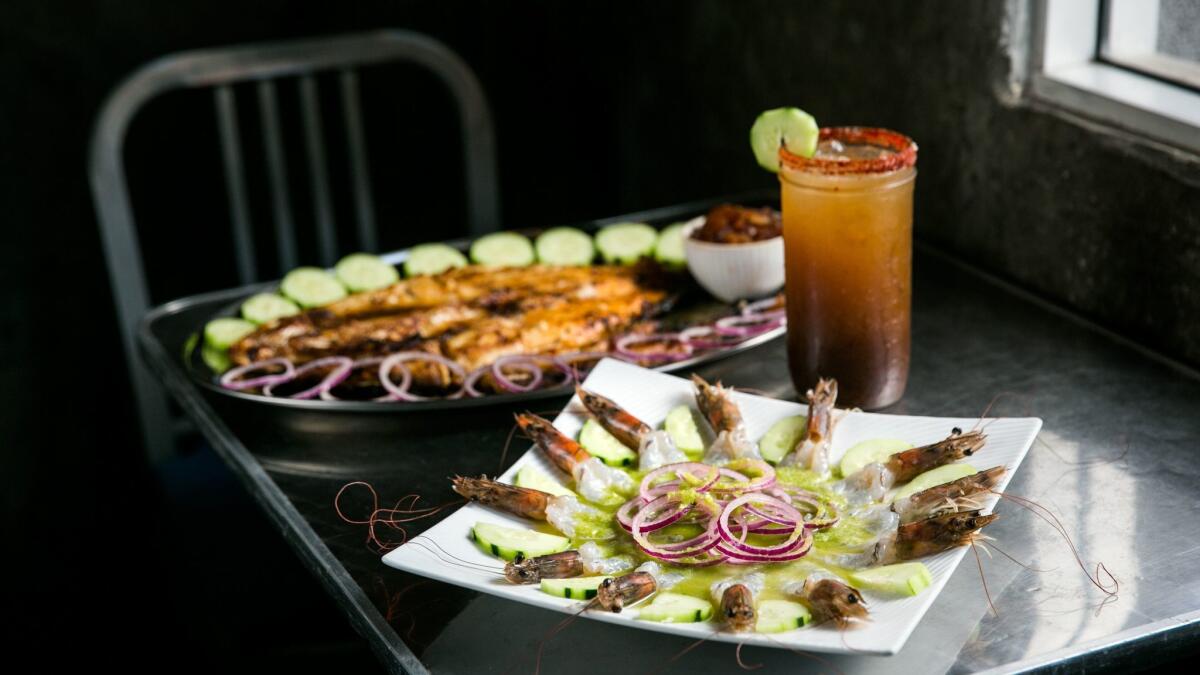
(791,128)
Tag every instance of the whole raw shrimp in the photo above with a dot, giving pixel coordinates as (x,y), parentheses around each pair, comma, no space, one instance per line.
(655,448)
(594,480)
(725,418)
(830,599)
(952,497)
(871,482)
(812,452)
(561,511)
(616,593)
(736,599)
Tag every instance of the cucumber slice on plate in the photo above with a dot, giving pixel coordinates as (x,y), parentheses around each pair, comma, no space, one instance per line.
(365,272)
(682,428)
(312,287)
(503,249)
(903,579)
(777,616)
(676,608)
(565,246)
(604,446)
(266,307)
(432,259)
(508,542)
(782,437)
(579,588)
(942,474)
(220,334)
(869,452)
(530,477)
(625,243)
(668,250)
(787,127)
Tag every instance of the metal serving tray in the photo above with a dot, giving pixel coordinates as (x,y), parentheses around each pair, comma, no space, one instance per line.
(695,307)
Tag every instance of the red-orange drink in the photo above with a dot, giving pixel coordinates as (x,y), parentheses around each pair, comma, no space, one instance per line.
(847,232)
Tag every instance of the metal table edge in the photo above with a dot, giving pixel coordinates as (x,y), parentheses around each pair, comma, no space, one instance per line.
(362,613)
(1085,654)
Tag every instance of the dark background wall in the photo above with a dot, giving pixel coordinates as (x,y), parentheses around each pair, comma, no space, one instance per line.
(600,108)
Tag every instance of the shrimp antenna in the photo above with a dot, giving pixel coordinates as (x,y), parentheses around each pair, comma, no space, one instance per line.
(445,556)
(1109,588)
(392,517)
(504,453)
(991,544)
(742,664)
(555,630)
(983,578)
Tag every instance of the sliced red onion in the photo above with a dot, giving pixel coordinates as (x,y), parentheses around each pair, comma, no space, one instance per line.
(707,337)
(624,346)
(472,379)
(328,395)
(765,479)
(524,363)
(230,379)
(569,360)
(732,543)
(341,370)
(766,307)
(710,476)
(747,325)
(401,391)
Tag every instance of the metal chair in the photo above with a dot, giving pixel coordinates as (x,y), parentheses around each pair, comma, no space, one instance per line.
(220,69)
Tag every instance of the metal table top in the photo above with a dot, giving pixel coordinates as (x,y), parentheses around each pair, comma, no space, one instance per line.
(1115,462)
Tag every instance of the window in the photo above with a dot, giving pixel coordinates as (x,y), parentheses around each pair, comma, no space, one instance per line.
(1134,64)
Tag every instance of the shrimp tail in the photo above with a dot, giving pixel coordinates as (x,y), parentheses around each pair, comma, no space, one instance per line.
(524,502)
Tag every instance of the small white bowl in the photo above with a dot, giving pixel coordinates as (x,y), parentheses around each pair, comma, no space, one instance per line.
(734,271)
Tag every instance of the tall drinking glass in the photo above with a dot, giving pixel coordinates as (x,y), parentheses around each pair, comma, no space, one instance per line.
(847,233)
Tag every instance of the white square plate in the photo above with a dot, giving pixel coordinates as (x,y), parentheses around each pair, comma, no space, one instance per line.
(650,395)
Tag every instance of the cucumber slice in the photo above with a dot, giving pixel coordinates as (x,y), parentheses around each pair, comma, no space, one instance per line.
(869,452)
(432,259)
(579,588)
(625,243)
(676,608)
(365,272)
(266,307)
(220,334)
(942,474)
(782,437)
(216,359)
(668,250)
(777,616)
(503,249)
(565,246)
(789,127)
(312,287)
(508,542)
(682,428)
(902,579)
(530,477)
(604,446)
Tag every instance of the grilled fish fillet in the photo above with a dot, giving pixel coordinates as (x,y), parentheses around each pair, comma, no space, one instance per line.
(472,315)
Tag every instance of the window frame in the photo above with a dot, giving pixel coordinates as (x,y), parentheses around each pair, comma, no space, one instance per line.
(1068,68)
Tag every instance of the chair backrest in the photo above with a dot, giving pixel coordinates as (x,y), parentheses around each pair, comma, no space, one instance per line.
(220,69)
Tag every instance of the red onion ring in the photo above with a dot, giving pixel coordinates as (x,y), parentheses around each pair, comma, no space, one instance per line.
(645,489)
(401,391)
(524,363)
(328,395)
(747,325)
(707,337)
(578,374)
(335,377)
(795,539)
(230,379)
(625,342)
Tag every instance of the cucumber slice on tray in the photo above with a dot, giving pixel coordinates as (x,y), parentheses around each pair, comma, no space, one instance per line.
(777,616)
(365,272)
(684,432)
(604,446)
(625,243)
(901,579)
(508,542)
(782,437)
(869,452)
(579,588)
(266,307)
(530,477)
(503,249)
(433,259)
(220,334)
(565,246)
(933,477)
(668,250)
(312,287)
(676,608)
